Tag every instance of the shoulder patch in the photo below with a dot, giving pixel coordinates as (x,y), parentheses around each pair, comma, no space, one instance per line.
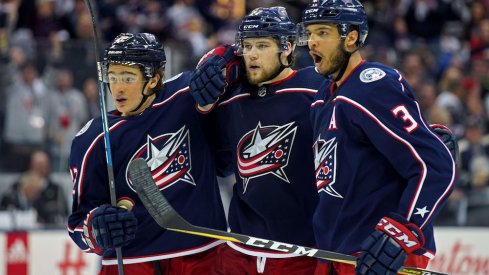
(371,74)
(85,128)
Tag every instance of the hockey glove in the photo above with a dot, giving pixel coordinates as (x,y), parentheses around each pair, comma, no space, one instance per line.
(447,137)
(386,249)
(216,69)
(107,227)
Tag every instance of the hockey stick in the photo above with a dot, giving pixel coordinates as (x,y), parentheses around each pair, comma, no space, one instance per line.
(164,214)
(103,110)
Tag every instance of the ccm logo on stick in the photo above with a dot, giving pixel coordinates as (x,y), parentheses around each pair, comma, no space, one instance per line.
(278,246)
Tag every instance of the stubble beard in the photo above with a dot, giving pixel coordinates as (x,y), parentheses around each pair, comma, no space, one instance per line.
(262,76)
(336,62)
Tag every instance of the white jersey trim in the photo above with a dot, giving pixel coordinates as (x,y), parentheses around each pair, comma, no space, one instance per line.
(81,177)
(452,180)
(415,154)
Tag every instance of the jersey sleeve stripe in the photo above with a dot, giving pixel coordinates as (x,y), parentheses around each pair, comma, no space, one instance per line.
(452,180)
(233,99)
(85,157)
(400,81)
(401,140)
(183,90)
(317,102)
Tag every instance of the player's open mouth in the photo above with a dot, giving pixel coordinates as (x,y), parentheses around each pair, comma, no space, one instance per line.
(317,59)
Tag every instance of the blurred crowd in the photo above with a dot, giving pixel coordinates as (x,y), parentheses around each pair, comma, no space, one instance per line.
(49,87)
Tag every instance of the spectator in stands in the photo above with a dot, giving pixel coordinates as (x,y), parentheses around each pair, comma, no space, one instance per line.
(91,93)
(35,190)
(9,68)
(478,12)
(432,113)
(68,113)
(25,118)
(75,53)
(453,96)
(413,67)
(474,170)
(425,18)
(479,42)
(188,26)
(46,21)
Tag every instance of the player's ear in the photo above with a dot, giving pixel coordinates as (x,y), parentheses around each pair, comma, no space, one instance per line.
(351,40)
(285,54)
(289,49)
(154,81)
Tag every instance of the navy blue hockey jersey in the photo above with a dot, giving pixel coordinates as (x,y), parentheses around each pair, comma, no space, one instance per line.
(170,136)
(266,136)
(374,155)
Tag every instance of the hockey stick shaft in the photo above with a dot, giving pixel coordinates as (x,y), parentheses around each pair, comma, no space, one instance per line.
(103,111)
(167,217)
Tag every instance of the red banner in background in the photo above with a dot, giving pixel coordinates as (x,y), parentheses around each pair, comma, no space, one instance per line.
(17,252)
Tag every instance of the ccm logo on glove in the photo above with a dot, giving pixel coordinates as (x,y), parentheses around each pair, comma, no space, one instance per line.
(407,239)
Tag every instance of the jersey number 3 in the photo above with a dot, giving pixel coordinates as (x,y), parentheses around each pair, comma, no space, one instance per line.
(401,111)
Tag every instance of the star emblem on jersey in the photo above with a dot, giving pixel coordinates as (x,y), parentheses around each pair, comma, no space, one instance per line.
(421,211)
(168,157)
(325,165)
(265,150)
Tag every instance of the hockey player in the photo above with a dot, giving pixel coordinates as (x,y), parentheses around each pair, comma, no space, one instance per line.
(266,137)
(383,174)
(157,122)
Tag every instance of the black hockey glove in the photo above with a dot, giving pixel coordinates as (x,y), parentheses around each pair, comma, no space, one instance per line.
(216,69)
(386,249)
(448,138)
(107,227)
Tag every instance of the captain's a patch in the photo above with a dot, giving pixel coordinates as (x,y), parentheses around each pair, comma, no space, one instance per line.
(371,75)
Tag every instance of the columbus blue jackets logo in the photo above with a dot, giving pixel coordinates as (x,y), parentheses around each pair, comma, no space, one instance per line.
(168,158)
(371,75)
(265,150)
(85,128)
(325,164)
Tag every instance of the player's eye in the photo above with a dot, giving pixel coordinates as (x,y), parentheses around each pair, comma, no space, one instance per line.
(322,34)
(112,78)
(247,48)
(125,78)
(128,79)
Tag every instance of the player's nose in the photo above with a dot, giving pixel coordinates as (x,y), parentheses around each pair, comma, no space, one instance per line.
(312,44)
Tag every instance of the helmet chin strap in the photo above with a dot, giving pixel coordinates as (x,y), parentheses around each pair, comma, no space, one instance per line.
(282,66)
(346,60)
(342,70)
(145,97)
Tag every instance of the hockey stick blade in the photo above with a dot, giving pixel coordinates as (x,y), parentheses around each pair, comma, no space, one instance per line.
(167,217)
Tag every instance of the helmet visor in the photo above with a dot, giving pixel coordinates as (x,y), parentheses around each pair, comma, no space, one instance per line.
(126,77)
(258,45)
(325,32)
(302,35)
